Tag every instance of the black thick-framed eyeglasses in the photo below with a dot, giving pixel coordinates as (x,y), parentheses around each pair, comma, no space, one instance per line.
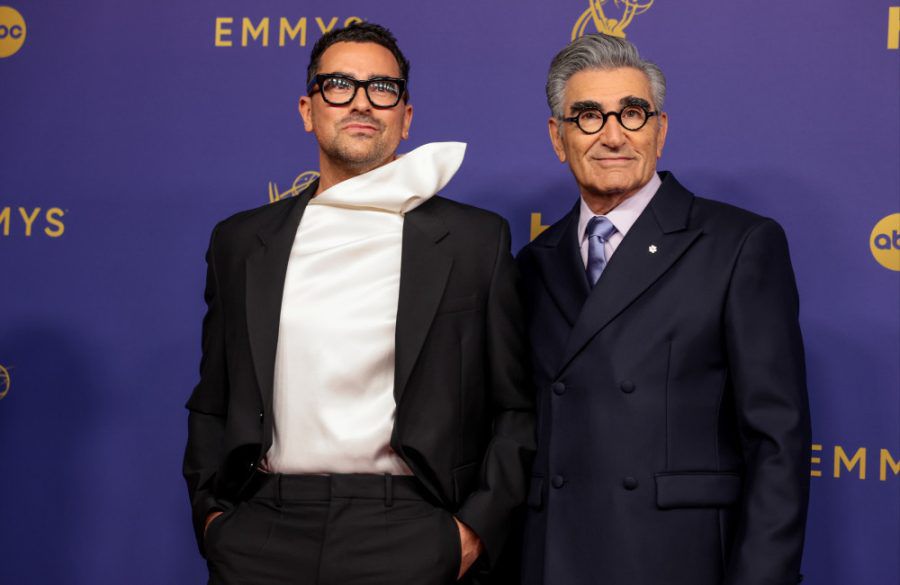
(339,90)
(631,117)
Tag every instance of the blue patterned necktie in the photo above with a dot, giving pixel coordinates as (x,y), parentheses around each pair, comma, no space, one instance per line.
(598,230)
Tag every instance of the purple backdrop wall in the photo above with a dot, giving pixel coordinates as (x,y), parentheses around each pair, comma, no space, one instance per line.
(126,132)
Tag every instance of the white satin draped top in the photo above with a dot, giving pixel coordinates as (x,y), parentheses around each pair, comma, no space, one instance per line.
(334,366)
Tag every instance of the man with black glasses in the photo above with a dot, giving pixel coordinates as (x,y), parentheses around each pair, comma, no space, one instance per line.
(673,442)
(364,414)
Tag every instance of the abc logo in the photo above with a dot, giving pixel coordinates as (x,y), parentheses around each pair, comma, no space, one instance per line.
(12,31)
(885,242)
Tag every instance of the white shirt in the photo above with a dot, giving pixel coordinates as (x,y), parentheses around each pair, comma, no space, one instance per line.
(334,367)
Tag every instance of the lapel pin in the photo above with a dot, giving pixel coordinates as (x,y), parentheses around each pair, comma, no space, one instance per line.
(652,249)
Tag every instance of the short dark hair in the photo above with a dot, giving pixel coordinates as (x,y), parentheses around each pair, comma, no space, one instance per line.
(358,32)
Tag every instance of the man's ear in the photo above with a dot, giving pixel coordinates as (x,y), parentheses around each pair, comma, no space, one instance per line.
(305,109)
(661,135)
(407,121)
(556,139)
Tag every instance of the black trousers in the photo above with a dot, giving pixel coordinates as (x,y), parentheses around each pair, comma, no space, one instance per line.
(334,530)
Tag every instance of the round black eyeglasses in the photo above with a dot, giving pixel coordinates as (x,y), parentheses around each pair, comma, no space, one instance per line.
(631,118)
(340,90)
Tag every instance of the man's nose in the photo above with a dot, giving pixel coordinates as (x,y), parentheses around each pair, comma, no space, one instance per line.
(360,102)
(612,134)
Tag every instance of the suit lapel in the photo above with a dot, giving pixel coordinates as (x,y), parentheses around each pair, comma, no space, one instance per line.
(654,243)
(561,267)
(265,274)
(424,269)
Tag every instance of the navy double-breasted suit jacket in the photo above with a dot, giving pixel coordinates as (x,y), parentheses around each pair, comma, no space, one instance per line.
(673,422)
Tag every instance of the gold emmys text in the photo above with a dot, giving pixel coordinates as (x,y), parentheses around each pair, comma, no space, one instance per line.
(16,220)
(854,464)
(263,31)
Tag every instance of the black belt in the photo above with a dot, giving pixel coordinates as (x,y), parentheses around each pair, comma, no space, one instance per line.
(300,488)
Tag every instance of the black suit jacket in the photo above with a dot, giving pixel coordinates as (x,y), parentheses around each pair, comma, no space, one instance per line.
(673,424)
(464,418)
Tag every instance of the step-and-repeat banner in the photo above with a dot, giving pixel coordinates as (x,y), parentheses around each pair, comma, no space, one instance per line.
(127,129)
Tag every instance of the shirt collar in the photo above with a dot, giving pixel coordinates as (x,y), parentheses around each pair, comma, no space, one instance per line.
(401,185)
(625,213)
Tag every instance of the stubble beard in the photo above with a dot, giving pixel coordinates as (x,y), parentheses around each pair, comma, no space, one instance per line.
(357,154)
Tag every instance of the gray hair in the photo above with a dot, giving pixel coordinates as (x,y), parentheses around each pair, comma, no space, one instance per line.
(599,51)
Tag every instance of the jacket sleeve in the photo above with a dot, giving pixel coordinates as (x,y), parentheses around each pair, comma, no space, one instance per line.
(490,509)
(766,364)
(207,406)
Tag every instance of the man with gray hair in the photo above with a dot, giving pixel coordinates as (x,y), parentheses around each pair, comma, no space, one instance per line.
(673,417)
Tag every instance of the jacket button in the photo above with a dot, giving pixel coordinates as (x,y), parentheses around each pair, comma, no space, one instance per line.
(252,465)
(558,388)
(627,386)
(262,417)
(629,483)
(558,481)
